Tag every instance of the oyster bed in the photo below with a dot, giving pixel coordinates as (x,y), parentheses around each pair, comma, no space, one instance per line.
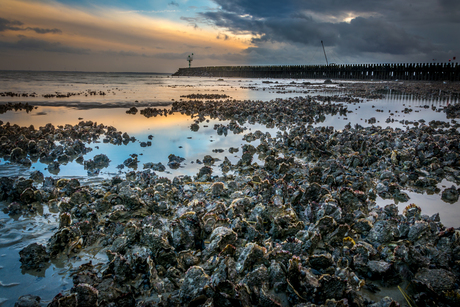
(301,228)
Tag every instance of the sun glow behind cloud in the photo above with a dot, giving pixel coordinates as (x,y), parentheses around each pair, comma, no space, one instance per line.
(103,30)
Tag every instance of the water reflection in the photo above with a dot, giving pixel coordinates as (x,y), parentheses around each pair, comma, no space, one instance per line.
(172,135)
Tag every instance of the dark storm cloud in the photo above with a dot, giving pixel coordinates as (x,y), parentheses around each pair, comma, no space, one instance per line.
(44,31)
(32,44)
(273,8)
(235,23)
(388,27)
(374,35)
(12,25)
(6,24)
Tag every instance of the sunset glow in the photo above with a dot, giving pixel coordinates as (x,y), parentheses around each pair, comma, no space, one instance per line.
(158,36)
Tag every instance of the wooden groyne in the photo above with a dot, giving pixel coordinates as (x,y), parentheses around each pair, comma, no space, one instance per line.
(404,71)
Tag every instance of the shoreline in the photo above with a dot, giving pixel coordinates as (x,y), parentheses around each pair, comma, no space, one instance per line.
(360,88)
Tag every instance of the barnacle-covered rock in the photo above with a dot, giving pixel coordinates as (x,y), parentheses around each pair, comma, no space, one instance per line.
(28,301)
(204,174)
(352,200)
(34,256)
(174,161)
(320,262)
(385,302)
(420,232)
(256,277)
(86,274)
(378,269)
(250,255)
(37,176)
(332,286)
(450,195)
(412,211)
(277,277)
(326,225)
(98,162)
(383,231)
(155,239)
(158,167)
(362,226)
(86,295)
(301,281)
(434,281)
(62,240)
(220,238)
(17,154)
(217,189)
(186,232)
(64,300)
(194,284)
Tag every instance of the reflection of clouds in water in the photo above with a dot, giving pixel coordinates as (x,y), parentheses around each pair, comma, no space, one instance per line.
(174,130)
(430,204)
(392,107)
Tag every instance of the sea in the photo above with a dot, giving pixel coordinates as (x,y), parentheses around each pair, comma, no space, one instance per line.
(62,98)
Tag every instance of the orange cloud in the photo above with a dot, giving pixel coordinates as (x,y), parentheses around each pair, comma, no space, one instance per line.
(102,29)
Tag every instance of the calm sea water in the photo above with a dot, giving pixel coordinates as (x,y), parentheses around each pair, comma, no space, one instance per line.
(170,135)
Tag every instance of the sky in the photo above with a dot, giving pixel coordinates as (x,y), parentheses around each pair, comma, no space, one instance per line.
(158,35)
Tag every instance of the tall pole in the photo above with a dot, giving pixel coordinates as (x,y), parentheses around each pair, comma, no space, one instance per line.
(324,50)
(190,59)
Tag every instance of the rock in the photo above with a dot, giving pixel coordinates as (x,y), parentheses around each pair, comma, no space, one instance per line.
(28,301)
(87,296)
(53,168)
(64,301)
(418,231)
(277,277)
(256,277)
(450,195)
(174,161)
(204,174)
(98,162)
(251,254)
(33,256)
(233,150)
(37,176)
(362,226)
(132,110)
(378,268)
(332,286)
(159,167)
(217,189)
(208,160)
(382,232)
(385,302)
(220,238)
(320,262)
(17,154)
(194,127)
(434,281)
(194,283)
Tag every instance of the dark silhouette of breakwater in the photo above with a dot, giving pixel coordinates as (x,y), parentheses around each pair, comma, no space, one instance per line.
(404,71)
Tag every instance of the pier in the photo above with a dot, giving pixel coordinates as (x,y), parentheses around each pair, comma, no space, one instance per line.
(402,71)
